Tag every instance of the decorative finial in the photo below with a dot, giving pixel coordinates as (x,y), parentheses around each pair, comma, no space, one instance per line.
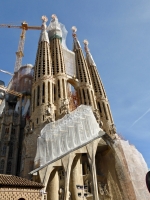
(86,46)
(54,16)
(74,30)
(44,18)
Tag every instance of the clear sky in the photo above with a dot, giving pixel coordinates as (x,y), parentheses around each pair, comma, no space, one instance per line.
(118,32)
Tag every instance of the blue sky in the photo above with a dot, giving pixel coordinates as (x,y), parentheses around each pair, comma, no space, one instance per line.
(119,39)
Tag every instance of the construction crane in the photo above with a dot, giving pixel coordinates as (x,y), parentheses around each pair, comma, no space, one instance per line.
(19,54)
(6,72)
(10,91)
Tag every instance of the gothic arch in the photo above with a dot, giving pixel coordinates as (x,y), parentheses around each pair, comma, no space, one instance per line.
(73,95)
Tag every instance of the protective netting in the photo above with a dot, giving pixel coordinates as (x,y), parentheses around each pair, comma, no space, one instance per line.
(69,59)
(72,131)
(2,106)
(26,70)
(136,168)
(54,28)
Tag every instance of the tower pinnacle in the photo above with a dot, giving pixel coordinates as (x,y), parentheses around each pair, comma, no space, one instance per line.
(76,42)
(89,57)
(44,35)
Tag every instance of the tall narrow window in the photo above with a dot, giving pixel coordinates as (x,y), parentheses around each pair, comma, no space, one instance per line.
(105,111)
(48,91)
(88,94)
(38,95)
(33,100)
(84,96)
(10,154)
(99,107)
(93,99)
(54,92)
(109,113)
(43,93)
(4,148)
(13,131)
(2,164)
(9,165)
(63,84)
(59,96)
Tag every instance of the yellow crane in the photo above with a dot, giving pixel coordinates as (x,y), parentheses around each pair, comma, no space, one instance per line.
(10,91)
(19,54)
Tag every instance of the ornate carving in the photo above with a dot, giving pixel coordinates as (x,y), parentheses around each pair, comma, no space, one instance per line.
(61,193)
(49,113)
(113,128)
(28,128)
(97,116)
(102,187)
(64,106)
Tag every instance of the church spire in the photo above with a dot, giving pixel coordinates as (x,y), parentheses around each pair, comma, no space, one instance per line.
(101,98)
(85,88)
(43,59)
(41,93)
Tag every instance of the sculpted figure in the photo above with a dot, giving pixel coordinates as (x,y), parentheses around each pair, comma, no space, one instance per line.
(101,191)
(97,116)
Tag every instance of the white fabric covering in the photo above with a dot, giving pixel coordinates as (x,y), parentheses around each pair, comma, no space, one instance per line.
(25,110)
(2,106)
(137,168)
(69,59)
(72,131)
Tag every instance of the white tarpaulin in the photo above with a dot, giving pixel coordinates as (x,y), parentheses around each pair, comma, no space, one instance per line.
(72,131)
(137,169)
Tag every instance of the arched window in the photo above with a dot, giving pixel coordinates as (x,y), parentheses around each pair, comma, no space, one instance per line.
(2,164)
(4,148)
(21,199)
(8,171)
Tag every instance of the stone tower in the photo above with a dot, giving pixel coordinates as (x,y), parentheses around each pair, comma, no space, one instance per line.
(41,94)
(58,70)
(100,94)
(85,88)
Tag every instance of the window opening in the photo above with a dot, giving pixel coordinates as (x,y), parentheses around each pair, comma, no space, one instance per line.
(2,164)
(43,92)
(105,111)
(38,95)
(8,171)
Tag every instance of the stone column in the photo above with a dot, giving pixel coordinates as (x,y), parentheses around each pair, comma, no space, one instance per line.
(91,151)
(76,177)
(67,163)
(53,186)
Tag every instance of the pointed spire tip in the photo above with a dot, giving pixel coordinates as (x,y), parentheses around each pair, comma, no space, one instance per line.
(44,18)
(86,48)
(54,16)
